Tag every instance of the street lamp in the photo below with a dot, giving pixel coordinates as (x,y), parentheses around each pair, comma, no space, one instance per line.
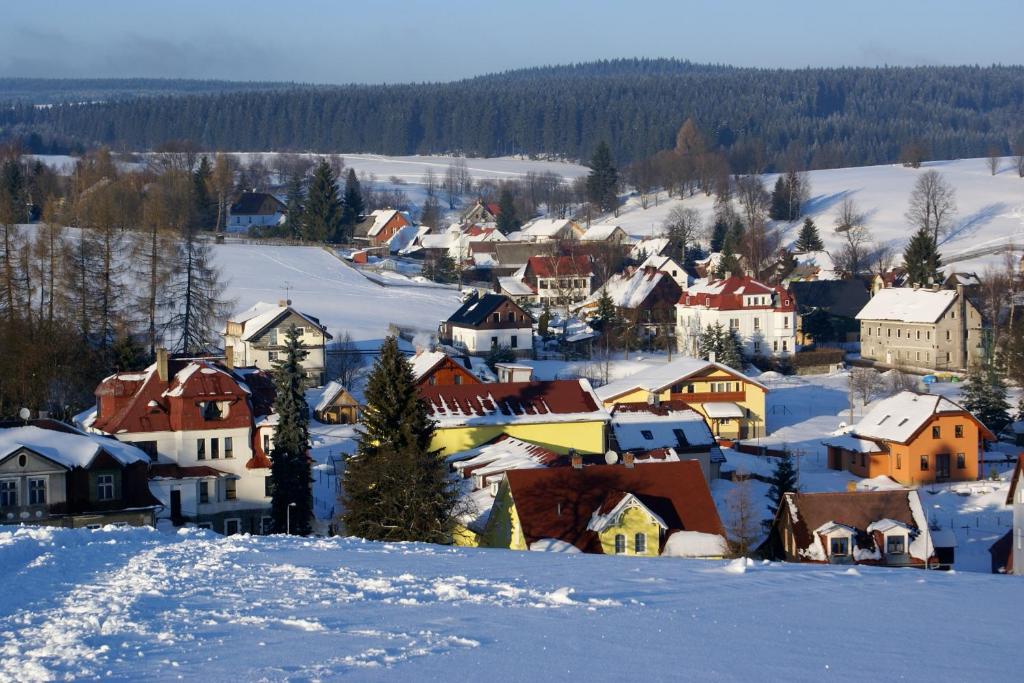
(288,518)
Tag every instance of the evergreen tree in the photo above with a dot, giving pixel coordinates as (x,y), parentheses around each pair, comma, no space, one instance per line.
(779,208)
(508,221)
(728,263)
(296,198)
(921,258)
(783,481)
(603,180)
(352,203)
(718,233)
(731,350)
(809,239)
(395,487)
(725,344)
(544,321)
(606,311)
(984,394)
(445,269)
(205,206)
(290,474)
(322,215)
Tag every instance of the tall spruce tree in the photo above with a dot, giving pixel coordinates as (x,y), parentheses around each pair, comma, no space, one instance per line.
(205,206)
(984,394)
(508,220)
(921,258)
(352,203)
(290,474)
(808,239)
(322,214)
(718,233)
(296,199)
(779,208)
(783,481)
(603,180)
(606,311)
(395,487)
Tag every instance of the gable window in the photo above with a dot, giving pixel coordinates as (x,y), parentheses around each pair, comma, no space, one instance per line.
(958,431)
(640,543)
(229,447)
(961,461)
(200,449)
(646,433)
(229,489)
(300,331)
(620,544)
(214,410)
(37,492)
(273,356)
(204,492)
(924,463)
(895,545)
(936,432)
(105,487)
(9,493)
(458,378)
(839,546)
(273,336)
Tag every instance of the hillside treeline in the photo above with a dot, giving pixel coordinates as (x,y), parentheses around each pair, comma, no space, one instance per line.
(758,117)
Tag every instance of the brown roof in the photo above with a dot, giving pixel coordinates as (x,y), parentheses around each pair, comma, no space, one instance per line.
(509,398)
(562,266)
(559,502)
(171,471)
(855,509)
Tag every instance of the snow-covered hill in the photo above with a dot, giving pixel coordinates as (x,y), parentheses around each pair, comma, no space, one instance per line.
(136,604)
(991,208)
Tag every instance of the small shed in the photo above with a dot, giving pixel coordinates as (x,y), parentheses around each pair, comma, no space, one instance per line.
(336,406)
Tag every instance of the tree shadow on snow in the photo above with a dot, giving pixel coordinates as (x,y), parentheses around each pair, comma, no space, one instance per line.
(970,225)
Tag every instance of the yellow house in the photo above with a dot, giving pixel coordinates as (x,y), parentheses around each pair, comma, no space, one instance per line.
(605,509)
(733,403)
(558,415)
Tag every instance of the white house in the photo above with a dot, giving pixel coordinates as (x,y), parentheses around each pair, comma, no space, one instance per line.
(256,337)
(763,316)
(254,209)
(549,229)
(486,322)
(208,430)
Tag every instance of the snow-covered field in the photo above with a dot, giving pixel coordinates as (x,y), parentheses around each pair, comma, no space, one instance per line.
(991,208)
(322,285)
(136,604)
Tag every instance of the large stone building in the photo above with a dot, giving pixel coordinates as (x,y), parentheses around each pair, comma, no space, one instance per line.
(921,329)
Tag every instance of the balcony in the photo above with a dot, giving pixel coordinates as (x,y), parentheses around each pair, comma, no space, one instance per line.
(710,396)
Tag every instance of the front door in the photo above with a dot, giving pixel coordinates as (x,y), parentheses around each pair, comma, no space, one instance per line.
(176,507)
(942,466)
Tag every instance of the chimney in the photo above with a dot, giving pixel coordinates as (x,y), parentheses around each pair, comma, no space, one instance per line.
(576,459)
(161,363)
(229,357)
(935,286)
(712,357)
(627,460)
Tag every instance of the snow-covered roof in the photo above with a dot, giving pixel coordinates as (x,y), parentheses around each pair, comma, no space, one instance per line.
(331,391)
(380,219)
(603,518)
(723,410)
(262,314)
(909,305)
(553,545)
(629,289)
(70,448)
(514,286)
(695,544)
(648,247)
(899,417)
(851,443)
(659,377)
(513,403)
(647,429)
(821,260)
(545,228)
(600,232)
(500,455)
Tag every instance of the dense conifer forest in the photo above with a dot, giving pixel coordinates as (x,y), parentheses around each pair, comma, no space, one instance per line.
(828,117)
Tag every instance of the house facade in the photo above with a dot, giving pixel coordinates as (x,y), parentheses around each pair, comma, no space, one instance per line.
(257,338)
(379,227)
(882,528)
(481,212)
(52,474)
(925,329)
(487,322)
(436,368)
(336,405)
(732,403)
(254,209)
(764,317)
(622,509)
(558,415)
(559,280)
(914,439)
(197,413)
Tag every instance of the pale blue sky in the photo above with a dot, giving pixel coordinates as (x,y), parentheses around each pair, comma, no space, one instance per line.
(409,40)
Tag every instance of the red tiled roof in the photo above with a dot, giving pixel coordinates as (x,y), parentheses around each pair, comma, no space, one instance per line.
(509,398)
(727,295)
(563,266)
(559,502)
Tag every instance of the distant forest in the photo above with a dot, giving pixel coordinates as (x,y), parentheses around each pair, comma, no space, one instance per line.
(826,117)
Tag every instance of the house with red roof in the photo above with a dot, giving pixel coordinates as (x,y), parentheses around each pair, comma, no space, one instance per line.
(558,280)
(614,509)
(196,413)
(380,226)
(481,212)
(763,316)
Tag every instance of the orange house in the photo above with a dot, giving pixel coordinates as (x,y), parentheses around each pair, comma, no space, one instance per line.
(914,439)
(435,368)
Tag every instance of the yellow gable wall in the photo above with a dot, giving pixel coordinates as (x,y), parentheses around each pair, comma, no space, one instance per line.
(586,437)
(632,522)
(503,528)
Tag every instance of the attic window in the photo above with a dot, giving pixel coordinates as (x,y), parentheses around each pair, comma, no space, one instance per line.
(840,546)
(903,421)
(895,545)
(882,421)
(681,437)
(646,433)
(214,410)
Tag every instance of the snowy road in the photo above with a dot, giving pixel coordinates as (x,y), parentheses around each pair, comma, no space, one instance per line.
(137,604)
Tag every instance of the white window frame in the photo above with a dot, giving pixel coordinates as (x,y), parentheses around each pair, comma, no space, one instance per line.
(45,489)
(16,490)
(102,484)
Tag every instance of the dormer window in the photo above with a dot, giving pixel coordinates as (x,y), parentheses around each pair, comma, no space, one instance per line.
(214,410)
(839,546)
(895,545)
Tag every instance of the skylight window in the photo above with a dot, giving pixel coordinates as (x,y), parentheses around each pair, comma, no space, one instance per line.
(903,421)
(646,433)
(882,421)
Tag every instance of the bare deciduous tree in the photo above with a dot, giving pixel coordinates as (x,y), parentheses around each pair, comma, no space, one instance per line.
(851,227)
(743,524)
(932,204)
(992,159)
(865,384)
